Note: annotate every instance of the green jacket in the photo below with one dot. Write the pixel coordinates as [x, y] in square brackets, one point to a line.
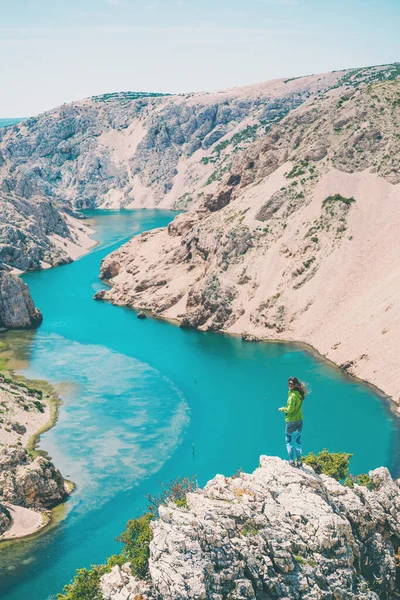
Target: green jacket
[293, 409]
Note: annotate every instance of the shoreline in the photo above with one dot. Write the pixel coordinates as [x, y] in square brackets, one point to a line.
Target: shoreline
[27, 522]
[305, 346]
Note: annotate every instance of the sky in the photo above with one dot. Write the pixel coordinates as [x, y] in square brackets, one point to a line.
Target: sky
[56, 51]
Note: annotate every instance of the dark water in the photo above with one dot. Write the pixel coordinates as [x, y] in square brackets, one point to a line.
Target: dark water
[145, 401]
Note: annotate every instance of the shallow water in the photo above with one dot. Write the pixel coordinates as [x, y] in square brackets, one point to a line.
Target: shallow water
[145, 401]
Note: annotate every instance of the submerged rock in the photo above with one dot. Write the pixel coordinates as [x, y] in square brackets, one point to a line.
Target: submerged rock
[280, 532]
[17, 310]
[141, 315]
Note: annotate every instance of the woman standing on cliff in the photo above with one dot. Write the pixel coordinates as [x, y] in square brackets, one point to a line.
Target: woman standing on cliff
[294, 420]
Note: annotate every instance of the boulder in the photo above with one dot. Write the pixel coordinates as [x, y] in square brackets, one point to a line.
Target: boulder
[17, 310]
[32, 483]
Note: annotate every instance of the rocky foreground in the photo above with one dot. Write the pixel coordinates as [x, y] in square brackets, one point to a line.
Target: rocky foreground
[280, 532]
[299, 242]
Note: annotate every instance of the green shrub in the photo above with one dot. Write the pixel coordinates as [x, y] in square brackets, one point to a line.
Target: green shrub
[362, 479]
[251, 528]
[332, 464]
[297, 170]
[182, 503]
[338, 198]
[39, 405]
[85, 586]
[173, 492]
[137, 537]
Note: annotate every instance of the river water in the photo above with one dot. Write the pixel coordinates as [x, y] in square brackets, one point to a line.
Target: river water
[145, 401]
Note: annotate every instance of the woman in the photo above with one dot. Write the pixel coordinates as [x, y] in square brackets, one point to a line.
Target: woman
[294, 420]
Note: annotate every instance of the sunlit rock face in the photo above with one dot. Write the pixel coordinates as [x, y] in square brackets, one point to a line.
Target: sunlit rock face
[17, 310]
[27, 482]
[279, 532]
[143, 150]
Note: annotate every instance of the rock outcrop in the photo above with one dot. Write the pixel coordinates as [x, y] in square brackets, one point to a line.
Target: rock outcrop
[37, 228]
[298, 242]
[280, 532]
[17, 310]
[5, 519]
[32, 483]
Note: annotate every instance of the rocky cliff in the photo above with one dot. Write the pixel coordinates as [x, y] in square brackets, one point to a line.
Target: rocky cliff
[280, 532]
[32, 483]
[136, 150]
[298, 242]
[5, 519]
[17, 309]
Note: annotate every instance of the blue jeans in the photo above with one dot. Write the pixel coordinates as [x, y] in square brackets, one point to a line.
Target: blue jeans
[293, 440]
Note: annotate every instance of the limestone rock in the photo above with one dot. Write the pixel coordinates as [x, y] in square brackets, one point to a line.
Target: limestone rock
[17, 309]
[29, 483]
[280, 532]
[120, 585]
[5, 519]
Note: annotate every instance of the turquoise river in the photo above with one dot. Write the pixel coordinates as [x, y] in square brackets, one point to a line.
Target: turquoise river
[145, 401]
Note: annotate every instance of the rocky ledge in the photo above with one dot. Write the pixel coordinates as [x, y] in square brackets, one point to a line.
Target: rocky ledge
[28, 482]
[17, 310]
[28, 489]
[280, 532]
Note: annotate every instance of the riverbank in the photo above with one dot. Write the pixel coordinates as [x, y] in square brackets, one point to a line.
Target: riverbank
[350, 368]
[25, 522]
[28, 408]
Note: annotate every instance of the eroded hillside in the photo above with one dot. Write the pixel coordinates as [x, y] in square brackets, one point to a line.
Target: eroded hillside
[134, 150]
[299, 241]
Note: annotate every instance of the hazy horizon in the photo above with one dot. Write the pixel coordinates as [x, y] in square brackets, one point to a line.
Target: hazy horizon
[58, 53]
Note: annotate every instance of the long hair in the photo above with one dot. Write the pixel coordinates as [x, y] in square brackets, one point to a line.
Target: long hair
[299, 386]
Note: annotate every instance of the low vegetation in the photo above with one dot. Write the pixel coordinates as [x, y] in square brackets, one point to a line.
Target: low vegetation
[337, 466]
[338, 198]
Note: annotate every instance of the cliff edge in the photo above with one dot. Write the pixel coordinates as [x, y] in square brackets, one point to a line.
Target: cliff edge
[279, 532]
[17, 310]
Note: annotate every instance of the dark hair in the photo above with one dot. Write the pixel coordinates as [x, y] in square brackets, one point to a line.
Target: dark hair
[299, 386]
